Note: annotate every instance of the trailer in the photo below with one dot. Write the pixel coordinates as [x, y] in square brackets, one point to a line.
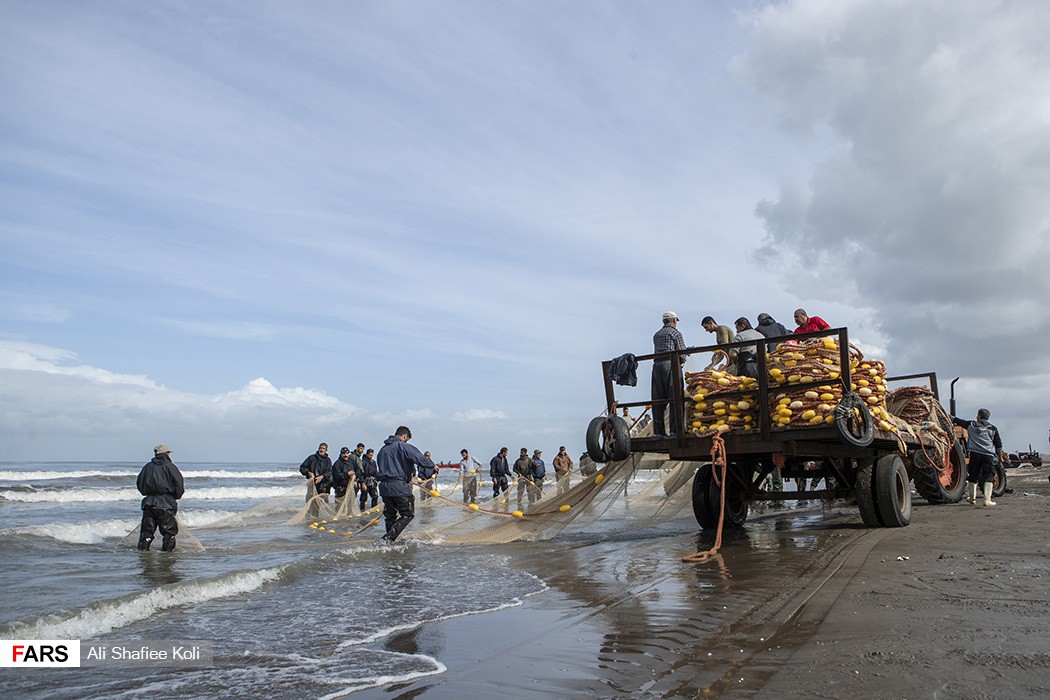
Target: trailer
[854, 458]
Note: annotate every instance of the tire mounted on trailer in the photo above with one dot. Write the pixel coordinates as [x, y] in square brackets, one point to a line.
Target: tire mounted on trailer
[864, 487]
[705, 515]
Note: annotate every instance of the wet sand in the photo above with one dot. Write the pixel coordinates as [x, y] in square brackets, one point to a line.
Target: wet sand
[802, 604]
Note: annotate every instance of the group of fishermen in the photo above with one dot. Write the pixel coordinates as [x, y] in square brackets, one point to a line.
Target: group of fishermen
[355, 470]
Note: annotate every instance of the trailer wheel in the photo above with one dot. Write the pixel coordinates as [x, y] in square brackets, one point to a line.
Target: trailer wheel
[853, 421]
[706, 516]
[999, 485]
[736, 503]
[865, 490]
[1037, 462]
[936, 486]
[892, 491]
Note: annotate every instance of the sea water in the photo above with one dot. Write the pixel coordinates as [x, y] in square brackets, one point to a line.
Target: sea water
[291, 612]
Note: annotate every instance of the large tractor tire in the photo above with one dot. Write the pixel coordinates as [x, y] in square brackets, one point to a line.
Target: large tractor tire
[999, 485]
[705, 515]
[892, 491]
[864, 487]
[936, 486]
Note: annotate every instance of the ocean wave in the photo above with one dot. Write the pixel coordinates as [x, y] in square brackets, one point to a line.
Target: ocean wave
[97, 531]
[103, 618]
[379, 681]
[218, 493]
[40, 475]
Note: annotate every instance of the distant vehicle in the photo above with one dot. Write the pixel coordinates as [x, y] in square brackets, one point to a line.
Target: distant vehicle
[1019, 459]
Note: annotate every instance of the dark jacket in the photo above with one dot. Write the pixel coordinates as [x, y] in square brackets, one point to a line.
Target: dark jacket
[523, 466]
[498, 467]
[341, 471]
[539, 469]
[369, 471]
[623, 370]
[161, 483]
[397, 464]
[771, 329]
[424, 472]
[318, 466]
[355, 463]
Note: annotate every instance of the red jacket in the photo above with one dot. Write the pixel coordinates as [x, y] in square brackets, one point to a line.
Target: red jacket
[815, 323]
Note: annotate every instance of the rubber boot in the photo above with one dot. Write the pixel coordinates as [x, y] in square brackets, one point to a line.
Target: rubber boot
[971, 493]
[988, 494]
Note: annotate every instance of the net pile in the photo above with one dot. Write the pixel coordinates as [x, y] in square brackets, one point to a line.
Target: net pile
[804, 386]
[916, 412]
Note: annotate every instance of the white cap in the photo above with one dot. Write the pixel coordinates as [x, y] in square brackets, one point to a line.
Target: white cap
[670, 316]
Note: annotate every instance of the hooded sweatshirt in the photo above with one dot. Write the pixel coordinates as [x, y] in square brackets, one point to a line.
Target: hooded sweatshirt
[771, 329]
[498, 467]
[160, 481]
[981, 436]
[397, 464]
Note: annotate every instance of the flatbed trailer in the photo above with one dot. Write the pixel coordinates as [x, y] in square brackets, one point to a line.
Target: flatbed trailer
[853, 457]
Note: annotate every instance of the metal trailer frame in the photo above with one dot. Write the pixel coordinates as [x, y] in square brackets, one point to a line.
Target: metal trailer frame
[806, 452]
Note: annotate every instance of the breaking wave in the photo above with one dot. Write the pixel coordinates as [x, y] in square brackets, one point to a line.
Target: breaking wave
[39, 475]
[218, 493]
[97, 531]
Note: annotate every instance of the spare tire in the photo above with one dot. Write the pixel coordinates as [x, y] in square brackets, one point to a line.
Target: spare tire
[853, 421]
[608, 439]
[892, 491]
[595, 443]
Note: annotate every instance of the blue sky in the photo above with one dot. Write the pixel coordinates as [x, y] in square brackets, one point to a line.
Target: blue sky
[244, 228]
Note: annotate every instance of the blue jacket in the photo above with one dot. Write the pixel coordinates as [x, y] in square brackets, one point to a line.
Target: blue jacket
[498, 466]
[397, 464]
[539, 470]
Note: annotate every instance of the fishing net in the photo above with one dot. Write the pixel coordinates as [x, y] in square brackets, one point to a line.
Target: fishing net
[184, 541]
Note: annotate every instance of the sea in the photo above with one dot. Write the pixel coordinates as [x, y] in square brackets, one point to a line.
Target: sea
[292, 612]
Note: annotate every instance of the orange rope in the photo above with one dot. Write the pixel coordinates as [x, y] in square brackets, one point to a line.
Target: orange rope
[718, 461]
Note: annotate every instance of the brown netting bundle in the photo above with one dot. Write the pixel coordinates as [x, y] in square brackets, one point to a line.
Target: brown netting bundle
[916, 412]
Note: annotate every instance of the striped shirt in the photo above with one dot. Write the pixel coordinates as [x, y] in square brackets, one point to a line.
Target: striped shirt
[667, 339]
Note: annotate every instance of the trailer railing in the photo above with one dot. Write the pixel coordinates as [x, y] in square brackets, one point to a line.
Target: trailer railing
[679, 400]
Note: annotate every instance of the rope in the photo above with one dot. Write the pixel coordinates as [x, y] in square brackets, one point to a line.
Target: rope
[718, 462]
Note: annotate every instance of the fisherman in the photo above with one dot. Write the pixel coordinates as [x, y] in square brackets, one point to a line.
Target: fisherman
[807, 323]
[537, 474]
[368, 482]
[317, 468]
[398, 461]
[769, 327]
[343, 474]
[523, 468]
[562, 466]
[355, 460]
[746, 357]
[665, 340]
[427, 476]
[984, 443]
[723, 336]
[587, 465]
[160, 483]
[499, 472]
[468, 474]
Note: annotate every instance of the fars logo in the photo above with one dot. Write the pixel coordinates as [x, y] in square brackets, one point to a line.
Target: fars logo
[39, 653]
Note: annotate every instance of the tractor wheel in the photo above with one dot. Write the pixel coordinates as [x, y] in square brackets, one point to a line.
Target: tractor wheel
[892, 491]
[999, 485]
[865, 490]
[937, 486]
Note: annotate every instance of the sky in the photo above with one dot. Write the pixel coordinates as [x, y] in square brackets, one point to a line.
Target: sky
[244, 228]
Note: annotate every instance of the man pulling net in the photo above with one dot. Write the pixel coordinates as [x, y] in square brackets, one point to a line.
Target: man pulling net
[398, 462]
[161, 485]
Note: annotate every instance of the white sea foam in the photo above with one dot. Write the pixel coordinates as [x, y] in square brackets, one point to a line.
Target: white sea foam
[96, 531]
[103, 618]
[38, 475]
[218, 493]
[379, 681]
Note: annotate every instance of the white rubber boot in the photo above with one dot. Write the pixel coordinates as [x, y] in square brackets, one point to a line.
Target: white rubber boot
[971, 496]
[988, 494]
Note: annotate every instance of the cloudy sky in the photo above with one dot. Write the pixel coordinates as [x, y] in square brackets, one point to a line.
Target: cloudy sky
[242, 228]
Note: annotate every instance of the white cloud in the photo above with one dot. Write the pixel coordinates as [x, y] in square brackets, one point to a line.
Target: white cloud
[477, 414]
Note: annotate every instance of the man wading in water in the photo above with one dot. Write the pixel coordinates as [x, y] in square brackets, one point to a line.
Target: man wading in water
[397, 463]
[160, 482]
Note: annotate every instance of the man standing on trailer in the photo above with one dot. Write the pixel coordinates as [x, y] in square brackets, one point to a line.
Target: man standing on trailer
[398, 462]
[807, 323]
[723, 336]
[665, 340]
[770, 328]
[746, 357]
[982, 439]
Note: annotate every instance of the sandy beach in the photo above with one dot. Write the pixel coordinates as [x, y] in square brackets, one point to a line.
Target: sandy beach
[803, 603]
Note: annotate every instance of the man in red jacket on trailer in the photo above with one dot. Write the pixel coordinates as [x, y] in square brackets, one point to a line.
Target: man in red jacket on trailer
[807, 323]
